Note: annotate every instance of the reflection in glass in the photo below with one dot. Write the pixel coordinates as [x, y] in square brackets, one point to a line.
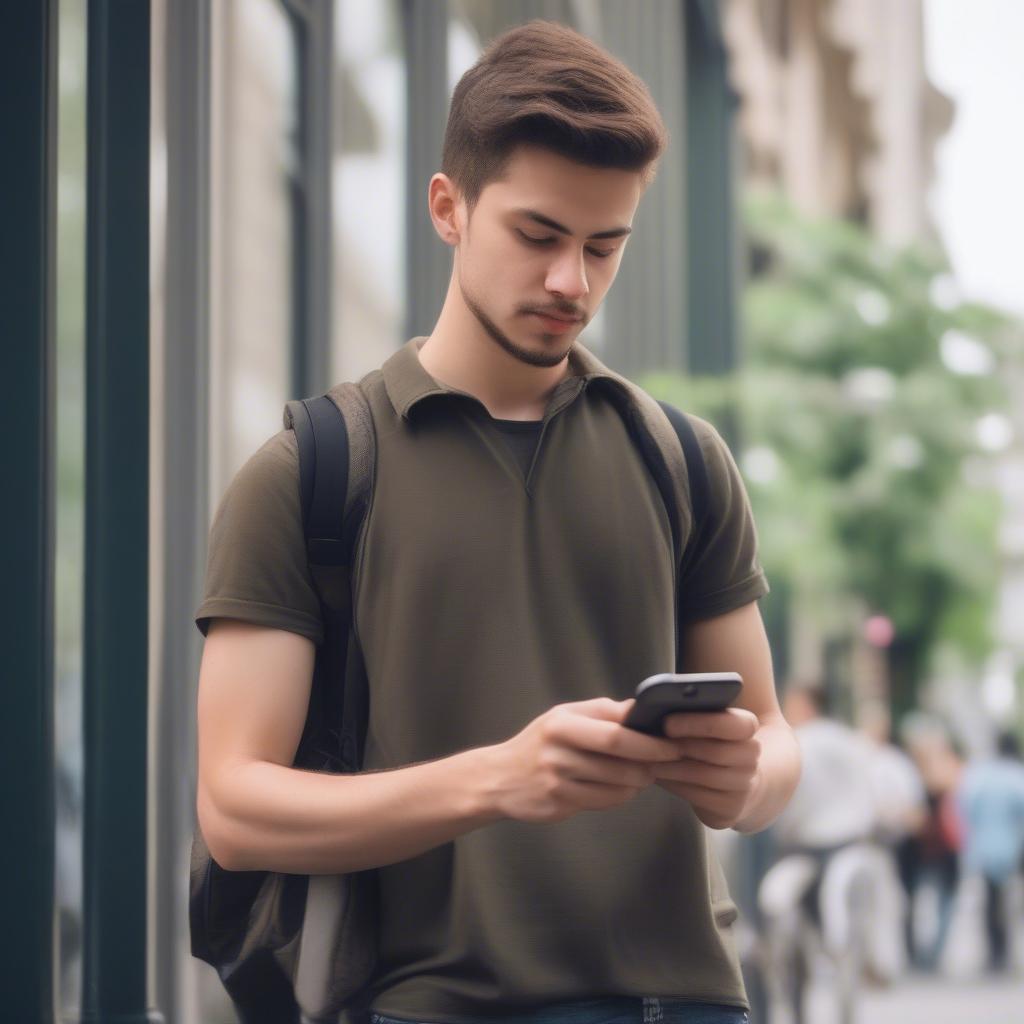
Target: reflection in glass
[70, 488]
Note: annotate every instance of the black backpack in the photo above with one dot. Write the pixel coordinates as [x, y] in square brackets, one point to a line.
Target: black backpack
[281, 941]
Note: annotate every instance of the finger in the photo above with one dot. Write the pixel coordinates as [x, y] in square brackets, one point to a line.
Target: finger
[610, 738]
[584, 766]
[724, 753]
[604, 708]
[713, 809]
[720, 780]
[730, 724]
[704, 799]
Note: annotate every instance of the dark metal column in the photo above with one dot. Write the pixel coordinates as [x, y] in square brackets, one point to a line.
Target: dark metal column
[646, 306]
[314, 290]
[311, 192]
[28, 120]
[428, 259]
[116, 513]
[181, 110]
[711, 201]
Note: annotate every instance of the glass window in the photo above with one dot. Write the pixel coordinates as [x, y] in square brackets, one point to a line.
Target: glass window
[463, 48]
[256, 163]
[369, 187]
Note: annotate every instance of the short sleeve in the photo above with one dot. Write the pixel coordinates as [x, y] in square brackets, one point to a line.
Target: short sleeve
[723, 573]
[256, 568]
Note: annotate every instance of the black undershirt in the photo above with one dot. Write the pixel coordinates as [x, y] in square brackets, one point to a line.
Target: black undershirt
[522, 437]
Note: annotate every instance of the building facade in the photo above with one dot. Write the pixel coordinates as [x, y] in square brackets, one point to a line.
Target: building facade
[221, 206]
[837, 111]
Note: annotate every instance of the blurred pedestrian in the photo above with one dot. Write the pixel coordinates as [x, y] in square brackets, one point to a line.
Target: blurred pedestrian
[896, 783]
[930, 858]
[834, 802]
[991, 801]
[899, 798]
[834, 890]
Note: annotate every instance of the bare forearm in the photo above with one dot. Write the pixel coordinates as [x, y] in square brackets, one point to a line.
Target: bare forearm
[265, 816]
[260, 815]
[777, 777]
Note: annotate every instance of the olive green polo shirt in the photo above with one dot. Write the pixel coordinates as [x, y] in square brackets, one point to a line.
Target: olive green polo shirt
[488, 588]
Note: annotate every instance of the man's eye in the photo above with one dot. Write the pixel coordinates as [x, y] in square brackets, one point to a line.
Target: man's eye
[599, 253]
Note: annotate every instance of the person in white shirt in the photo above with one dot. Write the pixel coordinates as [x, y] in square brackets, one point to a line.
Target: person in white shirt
[834, 874]
[896, 783]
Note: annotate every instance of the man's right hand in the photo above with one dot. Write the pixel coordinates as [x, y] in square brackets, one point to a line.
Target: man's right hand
[574, 757]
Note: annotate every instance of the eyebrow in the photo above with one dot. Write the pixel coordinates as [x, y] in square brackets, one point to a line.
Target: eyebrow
[562, 229]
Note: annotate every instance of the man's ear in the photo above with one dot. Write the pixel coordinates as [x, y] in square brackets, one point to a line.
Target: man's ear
[447, 209]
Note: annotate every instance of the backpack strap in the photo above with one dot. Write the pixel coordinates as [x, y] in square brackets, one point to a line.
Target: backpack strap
[337, 454]
[696, 469]
[670, 446]
[334, 501]
[699, 495]
[322, 438]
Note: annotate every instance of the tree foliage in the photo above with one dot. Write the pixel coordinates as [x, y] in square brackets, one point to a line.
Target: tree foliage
[858, 403]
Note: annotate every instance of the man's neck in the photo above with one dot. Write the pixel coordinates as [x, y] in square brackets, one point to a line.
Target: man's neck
[472, 362]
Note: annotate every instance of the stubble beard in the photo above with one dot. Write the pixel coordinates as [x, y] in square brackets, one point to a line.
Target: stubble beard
[546, 360]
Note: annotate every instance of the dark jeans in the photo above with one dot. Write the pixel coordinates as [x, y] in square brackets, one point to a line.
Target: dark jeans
[611, 1010]
[944, 873]
[996, 924]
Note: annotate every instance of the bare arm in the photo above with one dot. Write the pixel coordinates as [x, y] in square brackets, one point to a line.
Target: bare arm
[739, 768]
[258, 812]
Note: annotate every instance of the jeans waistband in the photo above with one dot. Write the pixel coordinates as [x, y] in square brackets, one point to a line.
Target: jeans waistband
[608, 1010]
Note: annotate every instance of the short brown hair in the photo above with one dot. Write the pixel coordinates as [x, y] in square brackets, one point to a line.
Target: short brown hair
[545, 84]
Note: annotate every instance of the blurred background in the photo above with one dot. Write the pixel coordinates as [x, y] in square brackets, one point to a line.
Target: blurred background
[223, 206]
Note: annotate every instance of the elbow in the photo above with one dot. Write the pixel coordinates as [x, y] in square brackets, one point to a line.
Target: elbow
[220, 837]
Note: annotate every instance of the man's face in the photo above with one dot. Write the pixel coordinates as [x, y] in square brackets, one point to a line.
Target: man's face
[546, 239]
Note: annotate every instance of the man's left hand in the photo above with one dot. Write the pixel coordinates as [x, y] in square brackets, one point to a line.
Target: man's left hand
[719, 767]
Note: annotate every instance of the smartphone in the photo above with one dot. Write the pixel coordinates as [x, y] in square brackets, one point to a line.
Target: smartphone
[669, 692]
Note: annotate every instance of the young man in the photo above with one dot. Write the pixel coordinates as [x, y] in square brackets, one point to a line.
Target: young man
[514, 581]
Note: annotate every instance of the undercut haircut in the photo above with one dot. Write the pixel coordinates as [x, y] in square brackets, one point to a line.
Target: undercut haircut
[545, 84]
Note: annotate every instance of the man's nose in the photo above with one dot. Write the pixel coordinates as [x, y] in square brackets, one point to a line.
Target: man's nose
[568, 276]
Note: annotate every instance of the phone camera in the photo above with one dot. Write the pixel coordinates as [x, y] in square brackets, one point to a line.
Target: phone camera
[690, 690]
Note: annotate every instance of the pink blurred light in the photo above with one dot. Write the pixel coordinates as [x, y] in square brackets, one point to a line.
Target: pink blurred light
[879, 631]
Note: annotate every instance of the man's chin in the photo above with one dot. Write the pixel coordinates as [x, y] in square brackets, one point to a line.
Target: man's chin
[528, 345]
[546, 354]
[532, 347]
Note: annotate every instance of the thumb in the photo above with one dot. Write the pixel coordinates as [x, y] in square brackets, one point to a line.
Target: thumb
[604, 708]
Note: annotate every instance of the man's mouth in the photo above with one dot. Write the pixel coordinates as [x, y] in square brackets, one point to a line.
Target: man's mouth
[559, 316]
[556, 324]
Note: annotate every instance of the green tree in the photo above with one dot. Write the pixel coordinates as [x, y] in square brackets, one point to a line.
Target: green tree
[859, 400]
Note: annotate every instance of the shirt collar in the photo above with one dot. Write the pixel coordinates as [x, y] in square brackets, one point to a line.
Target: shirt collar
[407, 383]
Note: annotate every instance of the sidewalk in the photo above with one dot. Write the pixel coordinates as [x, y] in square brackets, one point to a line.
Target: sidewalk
[958, 994]
[930, 999]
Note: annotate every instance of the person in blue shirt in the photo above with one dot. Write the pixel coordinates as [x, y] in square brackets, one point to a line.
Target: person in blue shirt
[991, 801]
